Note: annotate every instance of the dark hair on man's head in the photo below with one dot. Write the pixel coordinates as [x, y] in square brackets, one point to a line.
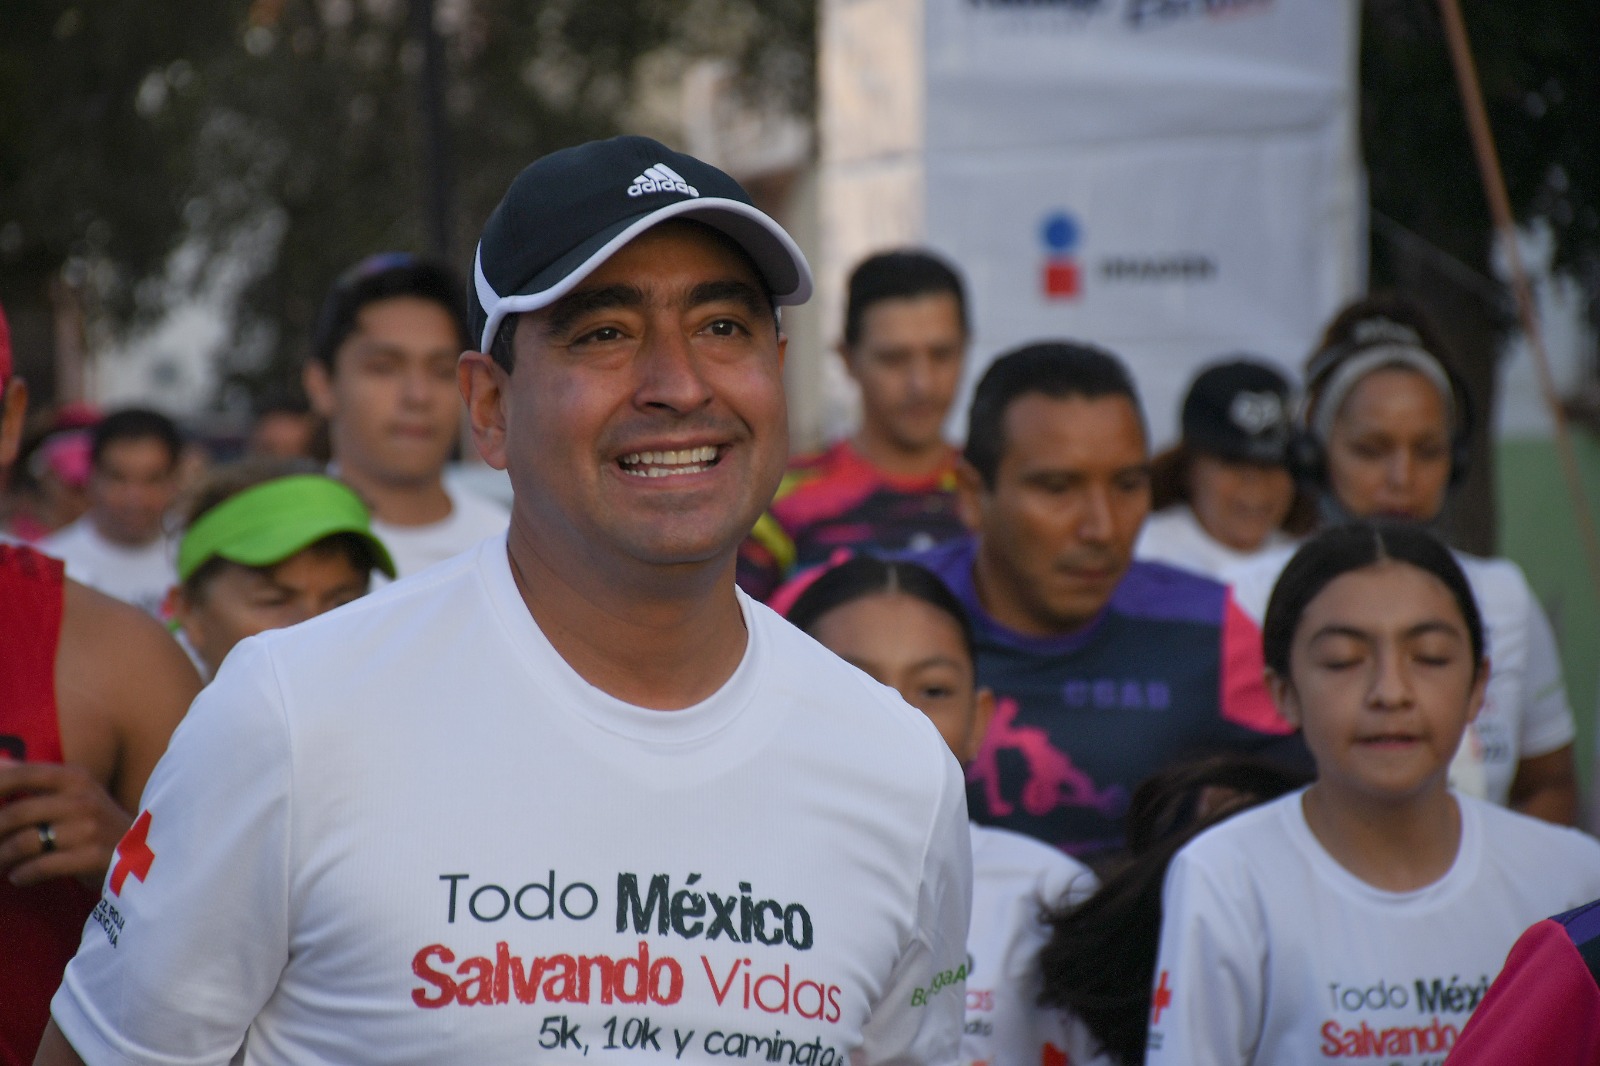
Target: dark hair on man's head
[864, 576]
[899, 275]
[1100, 962]
[1057, 369]
[135, 423]
[383, 277]
[1356, 546]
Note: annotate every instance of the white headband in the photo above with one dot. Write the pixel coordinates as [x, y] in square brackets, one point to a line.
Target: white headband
[1407, 356]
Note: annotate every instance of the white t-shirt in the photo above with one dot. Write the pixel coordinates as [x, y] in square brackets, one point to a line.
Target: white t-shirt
[1015, 881]
[408, 832]
[1273, 953]
[1525, 711]
[414, 548]
[141, 576]
[1175, 536]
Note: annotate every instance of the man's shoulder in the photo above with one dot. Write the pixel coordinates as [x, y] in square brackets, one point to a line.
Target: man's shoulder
[872, 715]
[1159, 592]
[1000, 855]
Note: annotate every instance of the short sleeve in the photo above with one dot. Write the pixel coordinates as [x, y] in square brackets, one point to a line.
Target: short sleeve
[1206, 1007]
[190, 935]
[1546, 715]
[917, 1021]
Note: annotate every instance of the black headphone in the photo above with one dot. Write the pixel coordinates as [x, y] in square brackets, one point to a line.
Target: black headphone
[1308, 455]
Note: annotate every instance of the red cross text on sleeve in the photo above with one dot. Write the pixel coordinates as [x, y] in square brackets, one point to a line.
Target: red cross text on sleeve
[1161, 1000]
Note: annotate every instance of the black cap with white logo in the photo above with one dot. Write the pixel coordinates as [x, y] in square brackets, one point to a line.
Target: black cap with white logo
[567, 213]
[1239, 410]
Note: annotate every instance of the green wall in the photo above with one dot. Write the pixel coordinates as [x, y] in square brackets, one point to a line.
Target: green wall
[1538, 529]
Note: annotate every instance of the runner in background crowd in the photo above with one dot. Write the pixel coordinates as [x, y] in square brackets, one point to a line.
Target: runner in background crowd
[1387, 426]
[382, 373]
[1104, 669]
[49, 485]
[266, 545]
[90, 690]
[283, 428]
[1224, 493]
[1364, 916]
[891, 486]
[897, 622]
[121, 545]
[1100, 964]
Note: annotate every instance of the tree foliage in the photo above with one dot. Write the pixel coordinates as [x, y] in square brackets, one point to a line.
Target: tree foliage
[149, 146]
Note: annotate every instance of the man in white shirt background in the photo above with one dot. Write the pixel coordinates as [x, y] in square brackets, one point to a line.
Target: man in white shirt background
[121, 546]
[382, 372]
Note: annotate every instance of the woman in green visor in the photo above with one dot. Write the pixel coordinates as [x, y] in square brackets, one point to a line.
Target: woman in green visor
[265, 547]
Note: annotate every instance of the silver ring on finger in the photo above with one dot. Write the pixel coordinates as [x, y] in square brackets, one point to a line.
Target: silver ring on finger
[47, 838]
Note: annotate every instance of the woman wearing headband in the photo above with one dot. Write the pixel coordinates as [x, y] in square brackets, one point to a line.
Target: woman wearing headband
[1386, 426]
[266, 548]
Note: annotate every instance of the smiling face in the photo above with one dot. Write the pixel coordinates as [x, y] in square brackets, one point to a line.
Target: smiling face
[1239, 504]
[1389, 447]
[1058, 525]
[1382, 681]
[644, 419]
[391, 399]
[908, 364]
[918, 650]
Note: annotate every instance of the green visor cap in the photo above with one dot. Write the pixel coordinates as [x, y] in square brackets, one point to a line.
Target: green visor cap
[267, 523]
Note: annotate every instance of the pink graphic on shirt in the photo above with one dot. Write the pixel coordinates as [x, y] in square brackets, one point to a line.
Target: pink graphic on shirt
[1052, 779]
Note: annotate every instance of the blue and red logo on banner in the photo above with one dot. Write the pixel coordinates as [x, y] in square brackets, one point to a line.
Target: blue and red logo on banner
[1062, 277]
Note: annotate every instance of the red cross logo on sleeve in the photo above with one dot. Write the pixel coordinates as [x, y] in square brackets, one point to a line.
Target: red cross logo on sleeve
[133, 854]
[1161, 1000]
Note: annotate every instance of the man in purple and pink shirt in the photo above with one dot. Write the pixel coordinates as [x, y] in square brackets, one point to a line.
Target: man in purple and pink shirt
[1105, 669]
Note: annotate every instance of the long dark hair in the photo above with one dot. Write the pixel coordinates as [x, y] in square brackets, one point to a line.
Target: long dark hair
[1101, 959]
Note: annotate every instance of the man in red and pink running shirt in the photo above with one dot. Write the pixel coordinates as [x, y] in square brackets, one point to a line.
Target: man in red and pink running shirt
[891, 486]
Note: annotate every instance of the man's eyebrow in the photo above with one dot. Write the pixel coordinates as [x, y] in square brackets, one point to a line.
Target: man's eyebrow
[567, 310]
[753, 300]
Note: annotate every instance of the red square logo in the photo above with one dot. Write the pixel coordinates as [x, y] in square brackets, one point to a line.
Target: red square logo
[1061, 279]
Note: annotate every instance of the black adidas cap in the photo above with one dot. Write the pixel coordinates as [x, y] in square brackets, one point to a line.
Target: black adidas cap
[567, 213]
[1239, 410]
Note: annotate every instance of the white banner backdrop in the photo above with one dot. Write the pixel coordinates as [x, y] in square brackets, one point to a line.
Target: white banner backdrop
[1172, 179]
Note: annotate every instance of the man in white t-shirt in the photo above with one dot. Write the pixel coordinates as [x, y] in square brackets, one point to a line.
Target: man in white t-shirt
[569, 796]
[383, 373]
[120, 546]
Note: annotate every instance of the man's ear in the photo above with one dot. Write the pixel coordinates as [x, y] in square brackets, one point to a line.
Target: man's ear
[317, 380]
[970, 495]
[13, 412]
[485, 386]
[1283, 694]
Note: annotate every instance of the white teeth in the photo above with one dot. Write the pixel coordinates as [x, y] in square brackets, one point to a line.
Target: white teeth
[669, 463]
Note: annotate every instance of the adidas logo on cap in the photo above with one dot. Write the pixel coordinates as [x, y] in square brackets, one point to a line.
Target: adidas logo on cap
[661, 178]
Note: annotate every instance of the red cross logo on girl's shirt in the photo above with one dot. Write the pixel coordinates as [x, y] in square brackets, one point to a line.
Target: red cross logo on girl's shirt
[133, 854]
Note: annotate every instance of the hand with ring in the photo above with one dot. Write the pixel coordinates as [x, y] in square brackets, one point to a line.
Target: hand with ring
[56, 821]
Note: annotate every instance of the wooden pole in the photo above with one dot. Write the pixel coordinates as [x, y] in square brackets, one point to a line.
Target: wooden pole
[1505, 225]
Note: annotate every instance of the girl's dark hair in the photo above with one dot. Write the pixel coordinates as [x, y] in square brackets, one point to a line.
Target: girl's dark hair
[1101, 959]
[1356, 546]
[865, 576]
